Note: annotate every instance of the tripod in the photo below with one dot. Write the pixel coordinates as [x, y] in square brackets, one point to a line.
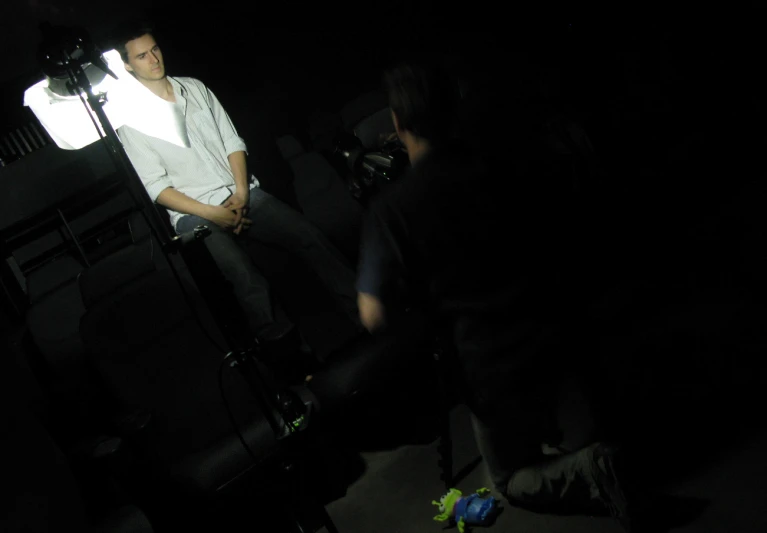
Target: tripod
[287, 414]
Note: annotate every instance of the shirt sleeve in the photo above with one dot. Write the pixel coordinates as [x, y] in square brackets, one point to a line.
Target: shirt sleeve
[146, 161]
[232, 141]
[382, 264]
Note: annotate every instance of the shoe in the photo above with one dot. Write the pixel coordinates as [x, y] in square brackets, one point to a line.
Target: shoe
[607, 469]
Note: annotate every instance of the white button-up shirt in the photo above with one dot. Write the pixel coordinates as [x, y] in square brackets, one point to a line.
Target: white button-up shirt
[201, 170]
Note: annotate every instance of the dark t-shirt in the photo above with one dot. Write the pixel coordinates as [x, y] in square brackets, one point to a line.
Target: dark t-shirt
[481, 249]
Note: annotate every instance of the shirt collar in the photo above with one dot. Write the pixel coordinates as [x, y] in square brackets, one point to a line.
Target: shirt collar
[177, 87]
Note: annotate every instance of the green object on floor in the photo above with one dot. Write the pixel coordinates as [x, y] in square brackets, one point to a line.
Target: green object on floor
[475, 509]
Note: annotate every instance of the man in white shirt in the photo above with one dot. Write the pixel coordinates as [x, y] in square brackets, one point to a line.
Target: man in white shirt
[192, 162]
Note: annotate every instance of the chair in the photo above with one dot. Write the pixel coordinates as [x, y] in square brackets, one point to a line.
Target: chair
[55, 306]
[155, 357]
[367, 105]
[371, 365]
[323, 196]
[47, 495]
[50, 492]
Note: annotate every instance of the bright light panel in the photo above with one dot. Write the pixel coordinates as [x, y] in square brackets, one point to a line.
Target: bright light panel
[65, 117]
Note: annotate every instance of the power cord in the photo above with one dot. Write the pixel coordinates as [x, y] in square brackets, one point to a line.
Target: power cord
[236, 427]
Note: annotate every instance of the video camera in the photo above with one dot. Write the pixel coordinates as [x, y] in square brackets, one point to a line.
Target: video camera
[372, 167]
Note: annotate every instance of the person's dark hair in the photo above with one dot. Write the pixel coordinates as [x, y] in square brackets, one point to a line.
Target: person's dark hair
[423, 96]
[129, 31]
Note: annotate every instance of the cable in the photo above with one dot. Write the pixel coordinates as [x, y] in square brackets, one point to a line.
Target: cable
[301, 488]
[229, 408]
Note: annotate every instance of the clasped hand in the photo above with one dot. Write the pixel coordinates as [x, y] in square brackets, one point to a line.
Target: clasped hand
[231, 214]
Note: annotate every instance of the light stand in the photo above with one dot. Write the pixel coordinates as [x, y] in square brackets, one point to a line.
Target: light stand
[287, 414]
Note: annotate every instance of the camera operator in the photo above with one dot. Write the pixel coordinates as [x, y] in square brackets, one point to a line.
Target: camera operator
[480, 247]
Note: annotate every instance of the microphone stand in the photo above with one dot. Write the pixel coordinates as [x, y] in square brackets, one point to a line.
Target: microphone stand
[287, 414]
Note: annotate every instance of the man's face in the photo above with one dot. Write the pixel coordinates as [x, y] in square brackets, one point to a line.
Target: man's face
[145, 59]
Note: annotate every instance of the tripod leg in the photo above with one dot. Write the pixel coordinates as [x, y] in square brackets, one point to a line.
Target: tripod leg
[445, 451]
[325, 524]
[330, 527]
[445, 445]
[310, 516]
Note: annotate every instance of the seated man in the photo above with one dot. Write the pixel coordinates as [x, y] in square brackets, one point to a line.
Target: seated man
[483, 255]
[192, 162]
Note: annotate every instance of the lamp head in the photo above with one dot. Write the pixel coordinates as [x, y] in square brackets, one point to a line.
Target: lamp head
[63, 49]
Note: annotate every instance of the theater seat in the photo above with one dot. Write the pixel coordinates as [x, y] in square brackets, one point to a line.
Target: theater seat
[368, 117]
[388, 363]
[323, 196]
[47, 495]
[53, 326]
[49, 492]
[362, 107]
[153, 355]
[371, 129]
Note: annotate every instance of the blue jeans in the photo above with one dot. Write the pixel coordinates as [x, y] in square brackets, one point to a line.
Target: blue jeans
[275, 223]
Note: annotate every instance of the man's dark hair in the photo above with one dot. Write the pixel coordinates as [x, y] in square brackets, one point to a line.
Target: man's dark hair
[127, 32]
[423, 96]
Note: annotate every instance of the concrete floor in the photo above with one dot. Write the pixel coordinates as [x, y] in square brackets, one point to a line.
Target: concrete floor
[394, 494]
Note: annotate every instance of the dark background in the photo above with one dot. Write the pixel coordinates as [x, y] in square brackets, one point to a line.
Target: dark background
[672, 101]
